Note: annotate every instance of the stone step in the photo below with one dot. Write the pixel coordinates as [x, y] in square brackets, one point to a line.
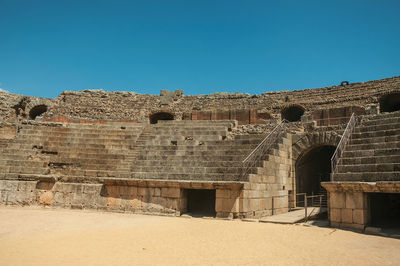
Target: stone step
[197, 147]
[357, 168]
[188, 128]
[172, 169]
[370, 160]
[383, 127]
[197, 177]
[378, 133]
[370, 146]
[151, 152]
[83, 130]
[235, 158]
[382, 121]
[188, 163]
[392, 138]
[371, 153]
[87, 154]
[367, 176]
[100, 135]
[122, 126]
[381, 116]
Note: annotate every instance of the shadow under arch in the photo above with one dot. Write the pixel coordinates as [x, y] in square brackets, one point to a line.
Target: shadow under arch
[389, 102]
[313, 167]
[292, 113]
[37, 110]
[154, 118]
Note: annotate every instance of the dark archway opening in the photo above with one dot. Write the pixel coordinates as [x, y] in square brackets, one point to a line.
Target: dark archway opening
[37, 111]
[160, 116]
[312, 168]
[390, 102]
[292, 113]
[385, 210]
[201, 202]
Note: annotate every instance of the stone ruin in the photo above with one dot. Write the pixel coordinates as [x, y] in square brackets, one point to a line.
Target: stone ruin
[225, 154]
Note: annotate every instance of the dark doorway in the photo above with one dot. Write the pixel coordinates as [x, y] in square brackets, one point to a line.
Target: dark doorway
[37, 111]
[385, 210]
[160, 116]
[292, 113]
[201, 202]
[312, 168]
[390, 102]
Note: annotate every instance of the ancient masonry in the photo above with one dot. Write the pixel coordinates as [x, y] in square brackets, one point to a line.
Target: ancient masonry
[224, 155]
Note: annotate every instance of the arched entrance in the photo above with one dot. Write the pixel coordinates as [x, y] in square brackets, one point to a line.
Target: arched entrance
[390, 102]
[160, 116]
[37, 111]
[312, 168]
[292, 113]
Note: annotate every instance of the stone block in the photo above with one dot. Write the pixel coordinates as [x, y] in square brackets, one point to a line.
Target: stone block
[335, 215]
[157, 192]
[223, 193]
[171, 192]
[347, 215]
[226, 205]
[337, 200]
[360, 217]
[355, 200]
[172, 203]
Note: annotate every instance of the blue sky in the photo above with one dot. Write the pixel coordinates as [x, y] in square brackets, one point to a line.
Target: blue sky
[198, 46]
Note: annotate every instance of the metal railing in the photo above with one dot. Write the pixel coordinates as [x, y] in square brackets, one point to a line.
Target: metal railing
[307, 204]
[256, 155]
[353, 122]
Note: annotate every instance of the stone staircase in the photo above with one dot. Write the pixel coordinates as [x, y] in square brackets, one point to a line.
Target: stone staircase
[373, 153]
[70, 151]
[168, 150]
[192, 150]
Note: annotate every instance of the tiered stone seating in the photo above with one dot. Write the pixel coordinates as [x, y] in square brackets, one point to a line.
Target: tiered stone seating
[373, 154]
[192, 150]
[70, 151]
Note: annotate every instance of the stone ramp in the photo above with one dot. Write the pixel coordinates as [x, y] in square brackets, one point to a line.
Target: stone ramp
[293, 216]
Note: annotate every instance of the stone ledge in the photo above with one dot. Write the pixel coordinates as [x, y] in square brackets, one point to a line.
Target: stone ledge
[173, 183]
[383, 186]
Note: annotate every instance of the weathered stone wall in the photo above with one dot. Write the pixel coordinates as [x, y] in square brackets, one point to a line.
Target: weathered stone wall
[101, 105]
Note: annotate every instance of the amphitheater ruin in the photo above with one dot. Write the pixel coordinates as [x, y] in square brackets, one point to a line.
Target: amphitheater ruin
[226, 155]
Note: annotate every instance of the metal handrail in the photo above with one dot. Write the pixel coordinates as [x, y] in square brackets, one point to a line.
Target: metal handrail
[251, 160]
[353, 122]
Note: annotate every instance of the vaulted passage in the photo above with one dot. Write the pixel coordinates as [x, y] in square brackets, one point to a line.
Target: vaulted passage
[37, 111]
[160, 116]
[292, 113]
[385, 210]
[390, 102]
[312, 168]
[201, 202]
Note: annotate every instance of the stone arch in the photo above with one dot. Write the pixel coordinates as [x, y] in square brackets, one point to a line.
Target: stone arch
[37, 111]
[310, 140]
[292, 113]
[311, 156]
[390, 102]
[160, 116]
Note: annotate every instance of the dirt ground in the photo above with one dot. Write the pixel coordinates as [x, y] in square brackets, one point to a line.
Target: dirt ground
[36, 236]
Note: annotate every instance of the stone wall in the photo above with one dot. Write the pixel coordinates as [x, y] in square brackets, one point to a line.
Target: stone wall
[101, 105]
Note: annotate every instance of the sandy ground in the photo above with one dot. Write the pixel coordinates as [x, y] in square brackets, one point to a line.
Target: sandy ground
[30, 236]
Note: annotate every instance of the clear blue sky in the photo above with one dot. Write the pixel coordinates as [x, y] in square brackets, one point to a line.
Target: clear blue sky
[198, 46]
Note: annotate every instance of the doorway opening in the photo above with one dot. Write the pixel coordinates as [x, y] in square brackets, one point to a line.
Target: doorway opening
[312, 168]
[160, 116]
[292, 113]
[201, 202]
[385, 210]
[390, 102]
